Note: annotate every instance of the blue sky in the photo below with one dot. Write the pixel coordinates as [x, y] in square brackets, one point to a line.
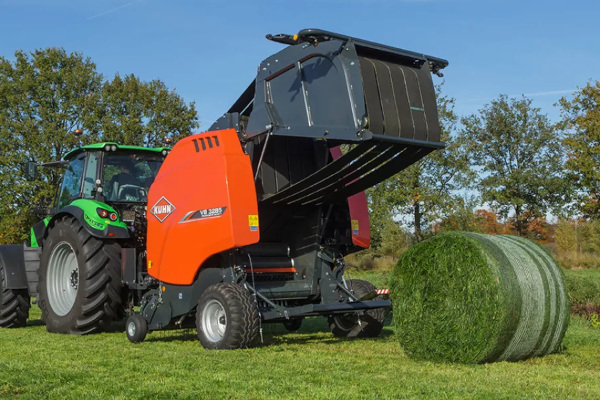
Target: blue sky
[209, 50]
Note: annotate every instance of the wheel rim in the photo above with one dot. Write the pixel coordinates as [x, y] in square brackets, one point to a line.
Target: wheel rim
[346, 322]
[214, 321]
[62, 278]
[131, 329]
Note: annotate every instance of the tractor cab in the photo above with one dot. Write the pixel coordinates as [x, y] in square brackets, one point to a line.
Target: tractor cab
[105, 187]
[109, 173]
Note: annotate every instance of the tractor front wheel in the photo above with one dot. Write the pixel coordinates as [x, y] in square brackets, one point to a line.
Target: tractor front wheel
[227, 317]
[79, 280]
[14, 305]
[360, 324]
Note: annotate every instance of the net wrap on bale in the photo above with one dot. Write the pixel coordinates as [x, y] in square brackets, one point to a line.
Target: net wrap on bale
[471, 298]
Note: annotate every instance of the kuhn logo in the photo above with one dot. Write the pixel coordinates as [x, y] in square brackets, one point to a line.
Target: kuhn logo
[162, 209]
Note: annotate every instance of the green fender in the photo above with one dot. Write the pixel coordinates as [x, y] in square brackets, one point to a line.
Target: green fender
[85, 211]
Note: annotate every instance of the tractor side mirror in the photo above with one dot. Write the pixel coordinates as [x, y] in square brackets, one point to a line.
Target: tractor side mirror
[30, 169]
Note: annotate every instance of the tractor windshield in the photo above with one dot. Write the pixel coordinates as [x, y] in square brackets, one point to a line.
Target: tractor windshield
[128, 176]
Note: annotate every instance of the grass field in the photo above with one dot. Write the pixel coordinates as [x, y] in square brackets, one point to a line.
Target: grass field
[306, 365]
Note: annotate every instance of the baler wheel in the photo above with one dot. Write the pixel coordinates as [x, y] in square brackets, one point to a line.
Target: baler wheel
[136, 328]
[293, 325]
[14, 305]
[79, 280]
[371, 321]
[227, 317]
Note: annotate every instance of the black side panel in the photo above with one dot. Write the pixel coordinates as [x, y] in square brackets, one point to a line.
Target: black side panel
[11, 257]
[32, 256]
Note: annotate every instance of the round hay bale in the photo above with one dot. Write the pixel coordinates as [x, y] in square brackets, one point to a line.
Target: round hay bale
[471, 298]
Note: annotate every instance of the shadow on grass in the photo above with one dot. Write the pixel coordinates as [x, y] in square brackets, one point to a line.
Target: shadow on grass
[313, 330]
[34, 322]
[172, 335]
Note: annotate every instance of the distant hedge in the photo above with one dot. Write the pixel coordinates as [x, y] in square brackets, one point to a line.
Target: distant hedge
[465, 297]
[584, 290]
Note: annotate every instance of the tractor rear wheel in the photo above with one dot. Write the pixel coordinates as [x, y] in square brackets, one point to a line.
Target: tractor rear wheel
[14, 305]
[360, 324]
[227, 317]
[79, 280]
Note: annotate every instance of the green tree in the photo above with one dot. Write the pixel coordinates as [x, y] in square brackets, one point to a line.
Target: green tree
[581, 124]
[143, 113]
[44, 96]
[430, 188]
[517, 154]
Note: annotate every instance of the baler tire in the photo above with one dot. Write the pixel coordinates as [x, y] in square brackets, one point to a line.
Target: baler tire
[136, 328]
[14, 305]
[293, 325]
[372, 321]
[94, 301]
[227, 317]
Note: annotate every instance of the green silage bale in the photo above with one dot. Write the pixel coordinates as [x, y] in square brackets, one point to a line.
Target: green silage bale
[472, 298]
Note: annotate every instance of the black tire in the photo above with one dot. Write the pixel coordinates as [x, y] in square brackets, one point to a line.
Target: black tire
[14, 305]
[293, 325]
[227, 317]
[371, 321]
[96, 301]
[136, 328]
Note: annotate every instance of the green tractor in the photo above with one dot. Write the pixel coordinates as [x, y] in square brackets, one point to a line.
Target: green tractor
[73, 265]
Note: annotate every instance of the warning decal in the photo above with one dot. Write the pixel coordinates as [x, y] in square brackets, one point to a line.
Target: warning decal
[253, 222]
[355, 226]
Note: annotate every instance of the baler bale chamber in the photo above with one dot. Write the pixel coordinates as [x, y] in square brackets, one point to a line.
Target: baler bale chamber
[271, 198]
[322, 92]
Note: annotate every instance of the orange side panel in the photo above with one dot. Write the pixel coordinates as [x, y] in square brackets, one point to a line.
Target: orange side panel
[202, 202]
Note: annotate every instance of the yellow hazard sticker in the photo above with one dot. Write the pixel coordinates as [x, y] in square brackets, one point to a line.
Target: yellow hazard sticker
[253, 222]
[354, 226]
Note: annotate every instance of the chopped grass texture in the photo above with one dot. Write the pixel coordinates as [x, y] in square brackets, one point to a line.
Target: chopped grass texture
[471, 298]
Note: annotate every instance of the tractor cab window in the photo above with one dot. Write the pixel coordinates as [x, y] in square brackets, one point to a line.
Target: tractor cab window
[71, 183]
[89, 181]
[127, 177]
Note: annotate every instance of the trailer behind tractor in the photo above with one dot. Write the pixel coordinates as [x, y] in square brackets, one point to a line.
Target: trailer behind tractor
[245, 224]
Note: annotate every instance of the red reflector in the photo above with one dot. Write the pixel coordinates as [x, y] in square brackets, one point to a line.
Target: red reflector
[113, 216]
[112, 234]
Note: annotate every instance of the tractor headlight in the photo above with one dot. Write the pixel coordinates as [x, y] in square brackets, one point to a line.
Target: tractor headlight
[107, 147]
[113, 147]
